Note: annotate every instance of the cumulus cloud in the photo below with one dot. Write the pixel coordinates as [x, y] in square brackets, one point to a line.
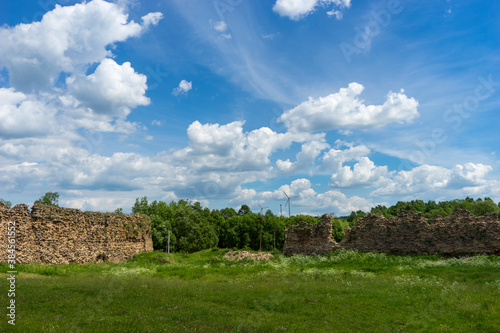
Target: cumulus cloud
[429, 178]
[307, 197]
[305, 158]
[99, 203]
[228, 147]
[298, 9]
[345, 110]
[363, 174]
[469, 174]
[333, 159]
[243, 195]
[299, 187]
[110, 88]
[24, 116]
[65, 40]
[342, 204]
[183, 88]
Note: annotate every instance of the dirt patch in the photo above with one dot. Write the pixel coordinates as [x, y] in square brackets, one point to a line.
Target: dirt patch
[239, 255]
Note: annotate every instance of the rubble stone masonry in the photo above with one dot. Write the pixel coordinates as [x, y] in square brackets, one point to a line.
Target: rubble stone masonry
[54, 235]
[306, 238]
[411, 233]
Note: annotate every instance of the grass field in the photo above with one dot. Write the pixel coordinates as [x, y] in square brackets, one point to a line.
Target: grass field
[203, 292]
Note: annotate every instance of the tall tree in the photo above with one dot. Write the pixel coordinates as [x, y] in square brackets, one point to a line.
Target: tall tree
[244, 210]
[49, 199]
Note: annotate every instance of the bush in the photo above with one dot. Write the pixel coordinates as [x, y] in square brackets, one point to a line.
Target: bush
[338, 226]
[275, 252]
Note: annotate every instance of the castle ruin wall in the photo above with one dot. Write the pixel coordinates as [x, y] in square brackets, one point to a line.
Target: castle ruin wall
[411, 233]
[55, 235]
[306, 238]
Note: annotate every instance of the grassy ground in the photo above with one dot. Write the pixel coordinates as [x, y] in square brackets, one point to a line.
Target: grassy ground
[202, 292]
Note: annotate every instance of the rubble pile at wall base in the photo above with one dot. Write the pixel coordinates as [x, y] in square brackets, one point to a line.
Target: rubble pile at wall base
[411, 233]
[54, 235]
[306, 238]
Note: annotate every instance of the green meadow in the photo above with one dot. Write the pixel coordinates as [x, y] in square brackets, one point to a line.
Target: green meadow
[345, 291]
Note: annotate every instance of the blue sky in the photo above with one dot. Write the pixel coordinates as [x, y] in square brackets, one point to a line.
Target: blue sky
[344, 104]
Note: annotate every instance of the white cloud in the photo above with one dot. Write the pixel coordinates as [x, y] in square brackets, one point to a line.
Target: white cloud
[183, 88]
[336, 13]
[228, 147]
[428, 179]
[297, 9]
[334, 158]
[24, 116]
[220, 26]
[469, 174]
[65, 40]
[243, 195]
[308, 198]
[339, 203]
[309, 152]
[157, 122]
[300, 188]
[99, 203]
[345, 110]
[151, 19]
[363, 174]
[111, 88]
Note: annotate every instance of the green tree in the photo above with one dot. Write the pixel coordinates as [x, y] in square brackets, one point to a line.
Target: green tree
[379, 209]
[244, 210]
[5, 202]
[338, 226]
[486, 206]
[141, 206]
[352, 217]
[228, 212]
[159, 234]
[49, 199]
[199, 237]
[119, 211]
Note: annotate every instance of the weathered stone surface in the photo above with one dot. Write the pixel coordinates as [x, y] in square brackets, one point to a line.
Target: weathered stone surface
[50, 234]
[306, 238]
[412, 233]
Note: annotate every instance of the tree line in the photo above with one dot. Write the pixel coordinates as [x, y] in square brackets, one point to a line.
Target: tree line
[431, 209]
[193, 227]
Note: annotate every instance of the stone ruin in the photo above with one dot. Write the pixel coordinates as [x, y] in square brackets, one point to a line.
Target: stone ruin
[306, 238]
[411, 233]
[55, 235]
[408, 233]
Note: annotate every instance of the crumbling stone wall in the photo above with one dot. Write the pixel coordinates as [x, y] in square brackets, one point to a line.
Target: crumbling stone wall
[50, 234]
[412, 233]
[306, 238]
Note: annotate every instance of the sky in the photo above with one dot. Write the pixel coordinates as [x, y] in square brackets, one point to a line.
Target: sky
[341, 104]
